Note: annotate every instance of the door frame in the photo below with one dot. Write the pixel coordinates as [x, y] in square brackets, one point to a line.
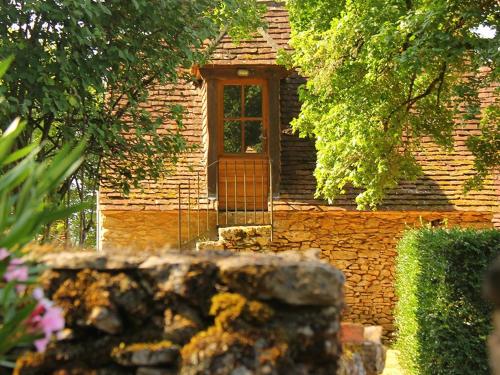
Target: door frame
[245, 158]
[210, 74]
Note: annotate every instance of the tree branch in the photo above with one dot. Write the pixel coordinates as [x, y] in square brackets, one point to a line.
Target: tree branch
[410, 101]
[119, 113]
[432, 85]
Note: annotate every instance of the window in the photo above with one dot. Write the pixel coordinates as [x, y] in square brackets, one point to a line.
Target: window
[243, 125]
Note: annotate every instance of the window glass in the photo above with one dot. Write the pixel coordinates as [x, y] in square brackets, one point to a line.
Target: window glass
[253, 137]
[232, 137]
[253, 101]
[232, 101]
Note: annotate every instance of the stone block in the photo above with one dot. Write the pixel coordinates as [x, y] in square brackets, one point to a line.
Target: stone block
[305, 282]
[373, 333]
[105, 320]
[351, 333]
[209, 245]
[146, 354]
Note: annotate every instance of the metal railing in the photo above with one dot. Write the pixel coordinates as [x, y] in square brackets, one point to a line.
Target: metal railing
[243, 196]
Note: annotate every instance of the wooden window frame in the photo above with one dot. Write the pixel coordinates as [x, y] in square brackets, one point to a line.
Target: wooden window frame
[221, 119]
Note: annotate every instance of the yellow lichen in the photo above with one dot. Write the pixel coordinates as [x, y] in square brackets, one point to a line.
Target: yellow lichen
[29, 360]
[138, 346]
[229, 308]
[202, 343]
[274, 353]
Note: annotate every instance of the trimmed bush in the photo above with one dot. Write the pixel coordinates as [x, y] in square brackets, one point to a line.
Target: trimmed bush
[442, 319]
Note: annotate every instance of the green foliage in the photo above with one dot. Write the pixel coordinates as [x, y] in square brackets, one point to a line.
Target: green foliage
[441, 316]
[84, 69]
[485, 146]
[25, 185]
[382, 74]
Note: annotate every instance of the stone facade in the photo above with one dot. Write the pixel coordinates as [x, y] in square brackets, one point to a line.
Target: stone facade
[152, 230]
[363, 246]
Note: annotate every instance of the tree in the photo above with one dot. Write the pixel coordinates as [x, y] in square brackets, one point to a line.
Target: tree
[84, 69]
[384, 73]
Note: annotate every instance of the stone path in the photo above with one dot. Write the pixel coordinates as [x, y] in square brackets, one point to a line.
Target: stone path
[391, 363]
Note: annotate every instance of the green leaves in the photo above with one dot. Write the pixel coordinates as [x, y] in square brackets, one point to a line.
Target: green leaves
[4, 65]
[441, 316]
[485, 147]
[25, 185]
[83, 69]
[382, 74]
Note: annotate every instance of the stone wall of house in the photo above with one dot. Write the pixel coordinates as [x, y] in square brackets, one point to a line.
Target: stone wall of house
[361, 244]
[153, 230]
[205, 313]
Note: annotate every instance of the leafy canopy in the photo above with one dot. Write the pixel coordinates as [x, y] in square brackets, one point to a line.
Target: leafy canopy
[384, 73]
[84, 68]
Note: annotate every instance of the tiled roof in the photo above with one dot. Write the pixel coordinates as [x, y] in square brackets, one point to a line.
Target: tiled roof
[262, 47]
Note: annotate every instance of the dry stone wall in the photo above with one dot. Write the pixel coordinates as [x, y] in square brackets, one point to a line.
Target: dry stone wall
[363, 246]
[177, 313]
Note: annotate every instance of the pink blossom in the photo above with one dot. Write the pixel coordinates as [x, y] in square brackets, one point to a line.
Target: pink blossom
[46, 319]
[52, 320]
[4, 253]
[33, 321]
[16, 271]
[41, 344]
[16, 261]
[38, 294]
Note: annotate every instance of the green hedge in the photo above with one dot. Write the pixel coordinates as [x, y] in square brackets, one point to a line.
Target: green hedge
[442, 319]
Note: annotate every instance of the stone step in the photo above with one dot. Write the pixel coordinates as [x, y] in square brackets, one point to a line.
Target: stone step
[240, 238]
[246, 237]
[209, 245]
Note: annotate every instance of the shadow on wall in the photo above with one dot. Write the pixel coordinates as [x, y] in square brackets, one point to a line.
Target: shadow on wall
[298, 161]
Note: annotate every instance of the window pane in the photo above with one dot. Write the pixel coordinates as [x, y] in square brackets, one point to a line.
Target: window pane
[253, 101]
[253, 137]
[232, 101]
[232, 137]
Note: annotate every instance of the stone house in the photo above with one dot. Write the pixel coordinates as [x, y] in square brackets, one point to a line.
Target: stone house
[251, 169]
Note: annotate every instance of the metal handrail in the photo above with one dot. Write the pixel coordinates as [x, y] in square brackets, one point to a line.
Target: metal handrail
[199, 198]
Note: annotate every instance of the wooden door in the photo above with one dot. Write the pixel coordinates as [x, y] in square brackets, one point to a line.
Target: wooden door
[243, 173]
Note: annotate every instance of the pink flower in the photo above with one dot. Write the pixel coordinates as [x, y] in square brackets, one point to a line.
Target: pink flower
[41, 344]
[52, 320]
[46, 319]
[16, 271]
[4, 253]
[33, 321]
[38, 294]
